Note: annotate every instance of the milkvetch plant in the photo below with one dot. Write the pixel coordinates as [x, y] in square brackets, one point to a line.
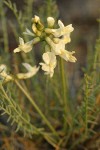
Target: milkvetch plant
[40, 105]
[55, 41]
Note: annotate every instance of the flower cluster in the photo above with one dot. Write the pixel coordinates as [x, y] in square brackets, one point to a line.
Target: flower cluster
[55, 40]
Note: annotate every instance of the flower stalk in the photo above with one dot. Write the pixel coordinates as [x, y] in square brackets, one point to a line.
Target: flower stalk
[64, 92]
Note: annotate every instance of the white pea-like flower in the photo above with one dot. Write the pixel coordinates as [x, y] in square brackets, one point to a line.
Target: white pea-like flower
[25, 47]
[59, 49]
[31, 71]
[49, 64]
[62, 30]
[65, 31]
[3, 73]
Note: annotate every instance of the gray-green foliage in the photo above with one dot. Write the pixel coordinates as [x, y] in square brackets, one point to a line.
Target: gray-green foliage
[16, 116]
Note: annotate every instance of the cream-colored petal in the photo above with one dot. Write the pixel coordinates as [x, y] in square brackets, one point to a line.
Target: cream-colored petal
[27, 66]
[26, 47]
[16, 50]
[71, 58]
[21, 41]
[66, 38]
[28, 32]
[50, 73]
[46, 58]
[68, 28]
[31, 72]
[45, 67]
[60, 23]
[24, 75]
[34, 28]
[36, 18]
[53, 60]
[62, 30]
[57, 32]
[66, 55]
[49, 58]
[49, 63]
[3, 68]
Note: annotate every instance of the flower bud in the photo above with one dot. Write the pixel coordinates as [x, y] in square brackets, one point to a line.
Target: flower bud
[36, 19]
[50, 21]
[35, 30]
[37, 23]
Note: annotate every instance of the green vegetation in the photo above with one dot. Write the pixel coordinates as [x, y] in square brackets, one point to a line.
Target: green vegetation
[40, 110]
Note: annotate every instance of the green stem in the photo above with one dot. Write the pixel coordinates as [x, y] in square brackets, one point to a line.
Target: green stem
[86, 117]
[86, 104]
[64, 89]
[37, 108]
